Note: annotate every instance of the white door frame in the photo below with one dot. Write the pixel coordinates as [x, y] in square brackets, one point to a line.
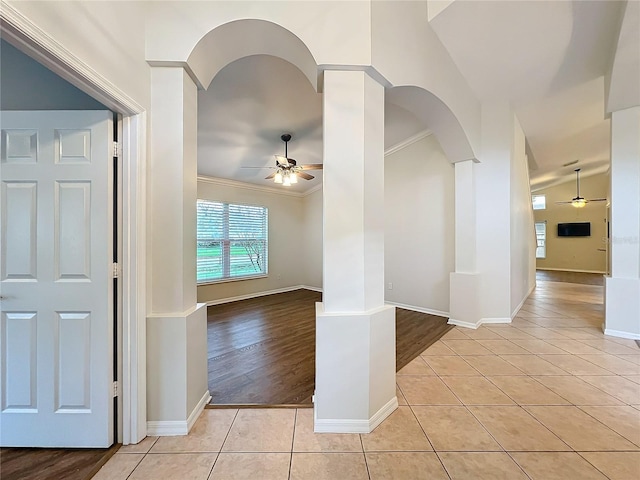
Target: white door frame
[35, 42]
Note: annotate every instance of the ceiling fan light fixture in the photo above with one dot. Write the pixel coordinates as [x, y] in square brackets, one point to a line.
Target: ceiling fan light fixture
[278, 177]
[286, 181]
[293, 177]
[578, 202]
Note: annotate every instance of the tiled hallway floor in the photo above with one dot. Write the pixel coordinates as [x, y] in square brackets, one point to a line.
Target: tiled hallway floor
[546, 397]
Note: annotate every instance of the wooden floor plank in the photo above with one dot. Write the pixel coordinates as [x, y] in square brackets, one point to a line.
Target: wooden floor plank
[570, 277]
[262, 350]
[52, 463]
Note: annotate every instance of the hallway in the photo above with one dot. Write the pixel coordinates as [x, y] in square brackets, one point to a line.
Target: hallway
[546, 397]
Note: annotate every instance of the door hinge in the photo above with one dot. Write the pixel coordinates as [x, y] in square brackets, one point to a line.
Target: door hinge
[116, 391]
[115, 270]
[117, 149]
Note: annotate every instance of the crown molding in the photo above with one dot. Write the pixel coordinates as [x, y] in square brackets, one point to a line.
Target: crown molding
[259, 188]
[405, 143]
[312, 190]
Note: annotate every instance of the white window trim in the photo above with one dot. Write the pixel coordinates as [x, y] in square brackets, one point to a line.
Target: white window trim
[544, 245]
[533, 205]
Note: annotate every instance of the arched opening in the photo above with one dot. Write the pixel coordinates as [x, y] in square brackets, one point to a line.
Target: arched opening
[437, 117]
[419, 231]
[253, 95]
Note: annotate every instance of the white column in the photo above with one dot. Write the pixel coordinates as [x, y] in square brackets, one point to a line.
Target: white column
[622, 297]
[355, 331]
[176, 325]
[464, 305]
[493, 212]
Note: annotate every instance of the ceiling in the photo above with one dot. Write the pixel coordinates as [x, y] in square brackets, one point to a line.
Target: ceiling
[547, 58]
[253, 101]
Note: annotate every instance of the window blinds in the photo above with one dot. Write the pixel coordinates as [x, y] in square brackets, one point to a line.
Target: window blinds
[231, 241]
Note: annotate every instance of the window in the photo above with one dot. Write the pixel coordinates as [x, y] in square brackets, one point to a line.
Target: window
[232, 241]
[539, 202]
[541, 239]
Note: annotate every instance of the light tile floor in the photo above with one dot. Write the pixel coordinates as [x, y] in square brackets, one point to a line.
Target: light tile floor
[545, 397]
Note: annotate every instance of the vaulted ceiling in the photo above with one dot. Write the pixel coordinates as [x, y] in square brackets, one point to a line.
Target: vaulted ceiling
[548, 58]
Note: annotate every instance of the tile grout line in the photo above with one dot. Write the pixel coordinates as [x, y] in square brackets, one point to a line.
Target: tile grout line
[293, 439]
[366, 463]
[142, 458]
[134, 468]
[429, 440]
[580, 407]
[519, 466]
[594, 466]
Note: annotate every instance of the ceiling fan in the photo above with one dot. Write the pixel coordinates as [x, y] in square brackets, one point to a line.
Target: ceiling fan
[287, 169]
[579, 201]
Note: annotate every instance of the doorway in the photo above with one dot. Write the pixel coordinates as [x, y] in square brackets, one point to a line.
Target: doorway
[37, 45]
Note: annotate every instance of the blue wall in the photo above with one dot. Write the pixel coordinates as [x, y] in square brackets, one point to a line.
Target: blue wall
[27, 85]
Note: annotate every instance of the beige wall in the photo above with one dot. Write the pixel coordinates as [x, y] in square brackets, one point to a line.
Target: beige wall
[312, 235]
[575, 253]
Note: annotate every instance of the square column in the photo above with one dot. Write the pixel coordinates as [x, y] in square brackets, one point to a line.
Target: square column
[493, 212]
[177, 385]
[622, 288]
[355, 330]
[464, 283]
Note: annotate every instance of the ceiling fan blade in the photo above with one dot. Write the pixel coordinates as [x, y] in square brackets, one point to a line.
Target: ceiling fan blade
[280, 160]
[597, 200]
[259, 167]
[312, 166]
[306, 176]
[270, 176]
[559, 203]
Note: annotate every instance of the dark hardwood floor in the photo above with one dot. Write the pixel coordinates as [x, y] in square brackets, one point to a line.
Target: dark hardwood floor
[52, 463]
[570, 277]
[262, 350]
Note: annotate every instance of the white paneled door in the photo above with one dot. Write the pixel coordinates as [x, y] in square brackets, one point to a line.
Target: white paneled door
[56, 349]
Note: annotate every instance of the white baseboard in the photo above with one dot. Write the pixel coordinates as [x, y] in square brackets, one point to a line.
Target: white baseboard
[199, 408]
[172, 428]
[462, 323]
[313, 289]
[167, 428]
[482, 321]
[620, 334]
[570, 270]
[517, 309]
[429, 311]
[355, 426]
[260, 294]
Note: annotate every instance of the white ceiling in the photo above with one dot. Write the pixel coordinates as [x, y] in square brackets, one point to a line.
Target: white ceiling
[253, 101]
[249, 104]
[547, 57]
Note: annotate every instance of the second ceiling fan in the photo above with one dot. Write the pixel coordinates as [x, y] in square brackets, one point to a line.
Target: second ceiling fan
[579, 201]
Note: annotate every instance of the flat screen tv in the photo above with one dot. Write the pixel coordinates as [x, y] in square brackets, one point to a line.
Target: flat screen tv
[581, 229]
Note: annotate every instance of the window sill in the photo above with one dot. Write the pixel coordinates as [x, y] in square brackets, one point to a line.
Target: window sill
[234, 279]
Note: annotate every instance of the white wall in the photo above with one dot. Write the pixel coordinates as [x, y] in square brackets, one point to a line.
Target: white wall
[419, 226]
[504, 221]
[312, 239]
[286, 238]
[522, 228]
